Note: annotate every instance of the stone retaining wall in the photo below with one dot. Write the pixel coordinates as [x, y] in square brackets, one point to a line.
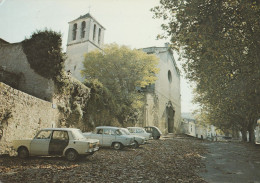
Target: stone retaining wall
[16, 119]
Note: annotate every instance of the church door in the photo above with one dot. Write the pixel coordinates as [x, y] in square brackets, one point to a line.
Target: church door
[170, 119]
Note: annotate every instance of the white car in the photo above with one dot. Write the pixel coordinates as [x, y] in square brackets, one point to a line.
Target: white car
[68, 142]
[155, 131]
[140, 132]
[138, 140]
[109, 136]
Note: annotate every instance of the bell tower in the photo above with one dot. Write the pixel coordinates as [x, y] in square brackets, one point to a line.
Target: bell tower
[85, 34]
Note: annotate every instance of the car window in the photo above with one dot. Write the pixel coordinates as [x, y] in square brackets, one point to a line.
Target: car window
[45, 134]
[125, 131]
[77, 134]
[131, 130]
[107, 132]
[118, 132]
[112, 132]
[60, 135]
[99, 131]
[138, 131]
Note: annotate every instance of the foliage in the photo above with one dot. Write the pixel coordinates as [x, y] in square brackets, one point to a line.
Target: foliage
[219, 42]
[120, 70]
[44, 53]
[73, 99]
[101, 108]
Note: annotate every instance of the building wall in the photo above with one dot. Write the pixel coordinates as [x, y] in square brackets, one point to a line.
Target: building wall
[14, 60]
[166, 94]
[27, 114]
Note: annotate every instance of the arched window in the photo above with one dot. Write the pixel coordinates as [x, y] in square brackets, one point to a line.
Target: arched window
[99, 35]
[94, 32]
[74, 32]
[83, 27]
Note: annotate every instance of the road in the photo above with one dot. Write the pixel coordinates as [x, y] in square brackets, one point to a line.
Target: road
[231, 162]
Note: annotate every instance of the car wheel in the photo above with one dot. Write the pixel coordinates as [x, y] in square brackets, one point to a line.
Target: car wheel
[23, 152]
[136, 145]
[117, 146]
[71, 155]
[92, 153]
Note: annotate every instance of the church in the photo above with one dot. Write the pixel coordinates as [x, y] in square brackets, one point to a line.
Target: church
[162, 99]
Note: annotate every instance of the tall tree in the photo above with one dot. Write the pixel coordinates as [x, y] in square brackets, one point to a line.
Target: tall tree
[121, 70]
[219, 41]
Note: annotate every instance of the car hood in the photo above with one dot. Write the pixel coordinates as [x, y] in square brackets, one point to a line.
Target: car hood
[92, 140]
[138, 137]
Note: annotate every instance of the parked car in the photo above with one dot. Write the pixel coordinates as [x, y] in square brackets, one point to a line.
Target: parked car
[138, 140]
[109, 136]
[68, 142]
[156, 132]
[140, 132]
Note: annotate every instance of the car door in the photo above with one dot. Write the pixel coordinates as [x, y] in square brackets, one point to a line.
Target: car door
[59, 141]
[108, 137]
[40, 143]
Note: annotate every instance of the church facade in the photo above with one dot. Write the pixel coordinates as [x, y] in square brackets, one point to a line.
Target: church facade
[162, 99]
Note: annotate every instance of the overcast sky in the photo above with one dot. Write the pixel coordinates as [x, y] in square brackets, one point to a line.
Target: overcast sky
[127, 22]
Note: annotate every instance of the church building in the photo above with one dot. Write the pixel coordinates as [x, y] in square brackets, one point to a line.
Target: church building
[162, 99]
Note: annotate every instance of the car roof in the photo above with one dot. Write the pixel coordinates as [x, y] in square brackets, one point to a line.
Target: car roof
[153, 127]
[135, 127]
[110, 127]
[57, 129]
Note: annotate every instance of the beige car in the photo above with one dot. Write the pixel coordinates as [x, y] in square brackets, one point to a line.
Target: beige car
[68, 142]
[140, 132]
[110, 136]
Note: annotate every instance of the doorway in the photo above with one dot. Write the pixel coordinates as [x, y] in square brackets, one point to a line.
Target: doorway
[170, 118]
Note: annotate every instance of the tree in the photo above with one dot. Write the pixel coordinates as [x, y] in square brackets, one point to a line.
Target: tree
[121, 70]
[219, 43]
[44, 53]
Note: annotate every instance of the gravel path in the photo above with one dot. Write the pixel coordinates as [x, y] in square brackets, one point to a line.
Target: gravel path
[166, 160]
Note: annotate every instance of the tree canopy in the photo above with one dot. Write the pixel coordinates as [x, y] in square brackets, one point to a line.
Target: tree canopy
[219, 41]
[120, 70]
[44, 53]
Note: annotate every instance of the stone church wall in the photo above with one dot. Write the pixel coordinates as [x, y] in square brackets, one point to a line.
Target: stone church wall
[14, 60]
[165, 100]
[22, 115]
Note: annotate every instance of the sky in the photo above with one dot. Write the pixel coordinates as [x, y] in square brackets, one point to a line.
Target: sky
[127, 22]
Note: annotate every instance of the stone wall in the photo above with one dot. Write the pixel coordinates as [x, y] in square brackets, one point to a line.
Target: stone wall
[22, 115]
[14, 60]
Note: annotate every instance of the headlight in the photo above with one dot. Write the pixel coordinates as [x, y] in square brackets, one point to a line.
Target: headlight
[90, 145]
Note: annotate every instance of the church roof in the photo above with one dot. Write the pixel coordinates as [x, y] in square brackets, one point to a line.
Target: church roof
[88, 15]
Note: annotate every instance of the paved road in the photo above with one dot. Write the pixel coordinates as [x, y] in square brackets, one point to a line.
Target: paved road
[232, 162]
